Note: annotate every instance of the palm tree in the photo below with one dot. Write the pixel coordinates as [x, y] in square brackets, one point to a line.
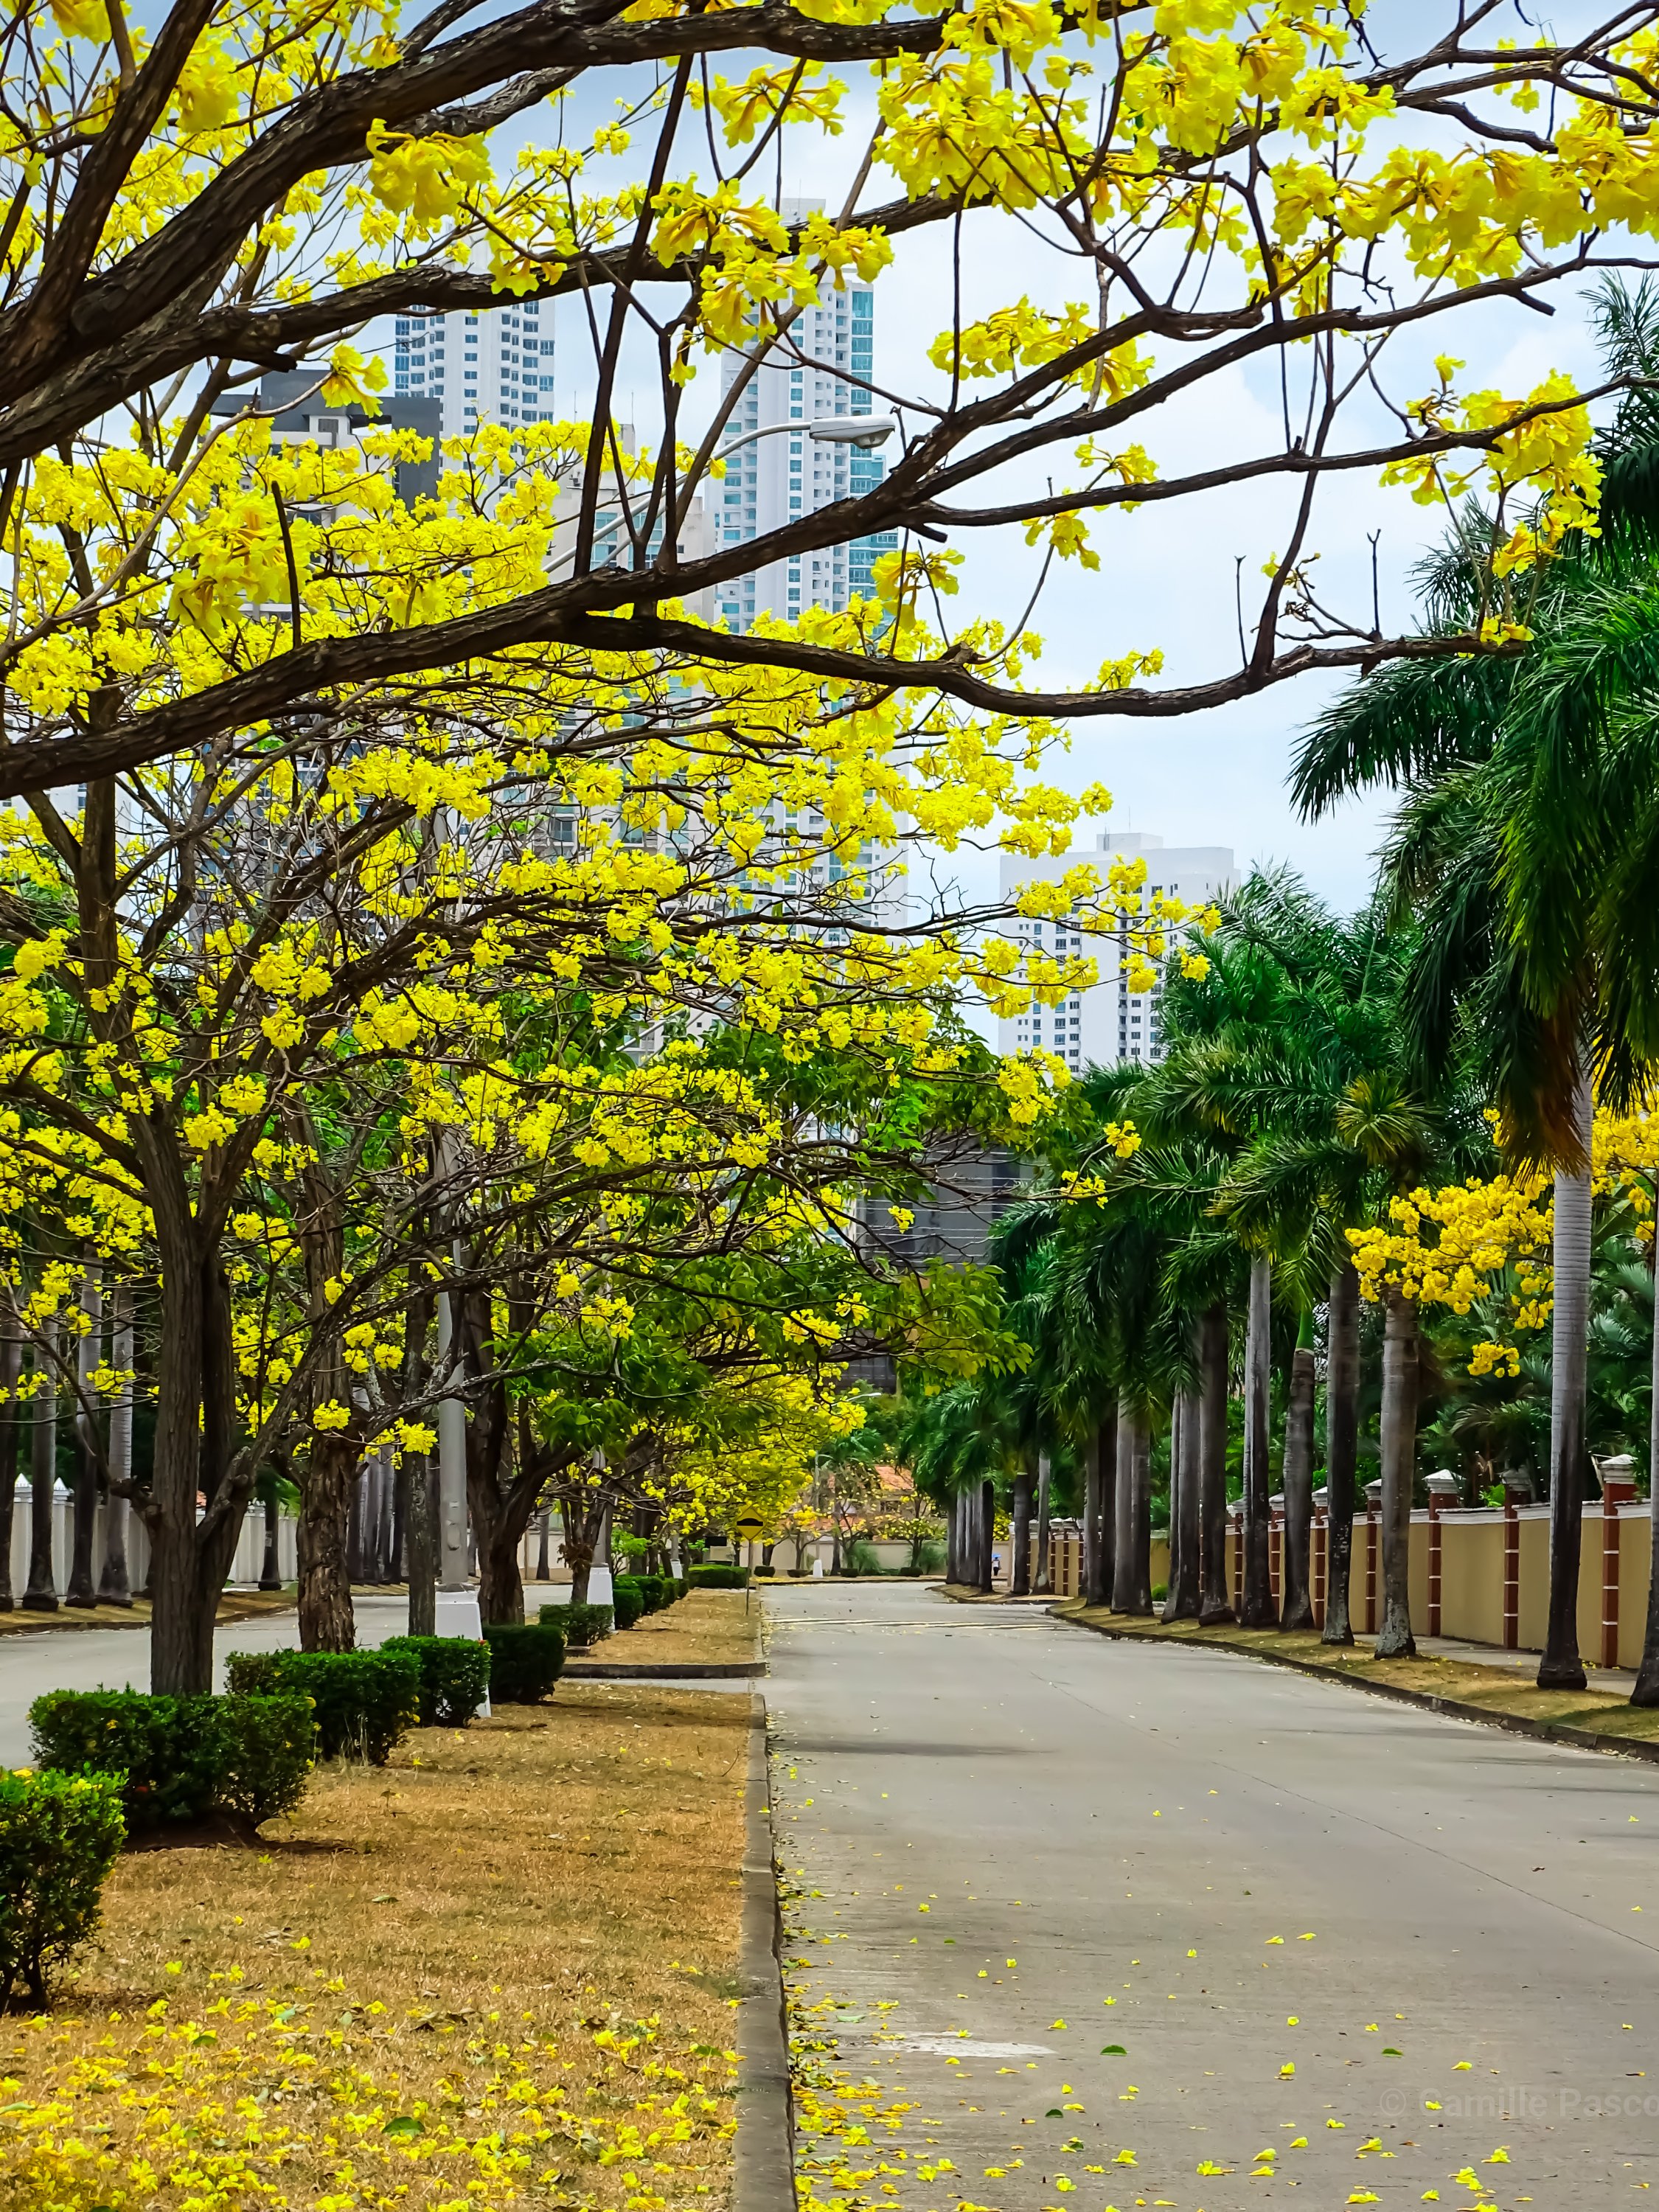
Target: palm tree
[1525, 846]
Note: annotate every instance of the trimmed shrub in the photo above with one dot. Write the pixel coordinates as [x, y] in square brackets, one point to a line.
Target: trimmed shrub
[163, 1747]
[627, 1600]
[581, 1625]
[266, 1746]
[364, 1703]
[656, 1590]
[59, 1835]
[717, 1576]
[526, 1658]
[181, 1759]
[454, 1676]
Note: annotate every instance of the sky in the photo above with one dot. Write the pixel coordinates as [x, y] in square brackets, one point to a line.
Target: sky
[1168, 574]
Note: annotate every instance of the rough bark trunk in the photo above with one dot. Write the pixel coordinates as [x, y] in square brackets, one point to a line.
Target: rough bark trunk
[1042, 1581]
[1561, 1667]
[1098, 1504]
[423, 1528]
[1297, 1610]
[114, 1584]
[1260, 1611]
[11, 1432]
[1646, 1691]
[41, 1593]
[326, 1620]
[1400, 1379]
[79, 1589]
[270, 1565]
[1341, 1447]
[1123, 1509]
[1182, 1601]
[1214, 1603]
[1020, 1580]
[987, 1535]
[543, 1541]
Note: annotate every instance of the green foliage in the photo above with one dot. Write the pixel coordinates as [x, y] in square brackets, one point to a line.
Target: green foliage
[59, 1835]
[182, 1758]
[454, 1676]
[627, 1600]
[860, 1558]
[716, 1575]
[628, 1547]
[364, 1703]
[581, 1624]
[653, 1591]
[525, 1659]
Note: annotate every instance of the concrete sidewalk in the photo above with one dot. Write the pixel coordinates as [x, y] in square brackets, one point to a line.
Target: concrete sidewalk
[1266, 1940]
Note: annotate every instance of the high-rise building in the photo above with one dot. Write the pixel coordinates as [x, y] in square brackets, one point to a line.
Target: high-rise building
[483, 365]
[1108, 1023]
[819, 372]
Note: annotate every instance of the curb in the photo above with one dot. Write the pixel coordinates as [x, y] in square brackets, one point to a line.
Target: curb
[763, 2177]
[1456, 1709]
[697, 1671]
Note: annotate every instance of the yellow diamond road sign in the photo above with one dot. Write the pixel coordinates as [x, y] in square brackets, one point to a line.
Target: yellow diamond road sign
[748, 1528]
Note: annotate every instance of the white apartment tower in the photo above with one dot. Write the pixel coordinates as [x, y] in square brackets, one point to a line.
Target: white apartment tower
[821, 369]
[483, 365]
[1107, 1023]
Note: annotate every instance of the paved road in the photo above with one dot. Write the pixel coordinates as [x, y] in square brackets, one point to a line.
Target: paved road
[1448, 1933]
[118, 1658]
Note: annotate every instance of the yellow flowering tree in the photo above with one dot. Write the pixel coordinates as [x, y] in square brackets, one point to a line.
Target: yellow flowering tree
[192, 202]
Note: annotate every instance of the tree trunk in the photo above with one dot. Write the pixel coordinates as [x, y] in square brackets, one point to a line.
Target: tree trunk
[421, 1537]
[1297, 1610]
[1173, 1540]
[1141, 1514]
[1561, 1667]
[1400, 1379]
[1020, 1581]
[326, 1494]
[422, 1547]
[1214, 1603]
[1123, 1514]
[987, 1535]
[1043, 1581]
[79, 1590]
[1185, 1543]
[1099, 1503]
[40, 1595]
[11, 1432]
[1341, 1447]
[1646, 1691]
[387, 1550]
[1260, 1611]
[543, 1558]
[270, 1561]
[115, 1585]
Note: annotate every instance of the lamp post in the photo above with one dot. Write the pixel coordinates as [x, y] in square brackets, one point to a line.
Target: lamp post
[867, 432]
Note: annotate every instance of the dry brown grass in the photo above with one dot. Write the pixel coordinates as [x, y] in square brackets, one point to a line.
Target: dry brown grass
[1492, 1689]
[234, 1605]
[709, 1627]
[514, 1896]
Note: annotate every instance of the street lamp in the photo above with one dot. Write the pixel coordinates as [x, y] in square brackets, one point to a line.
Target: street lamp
[865, 431]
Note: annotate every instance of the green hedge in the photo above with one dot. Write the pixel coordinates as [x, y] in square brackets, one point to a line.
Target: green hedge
[658, 1591]
[182, 1758]
[454, 1676]
[717, 1576]
[627, 1600]
[365, 1701]
[59, 1834]
[525, 1659]
[581, 1624]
